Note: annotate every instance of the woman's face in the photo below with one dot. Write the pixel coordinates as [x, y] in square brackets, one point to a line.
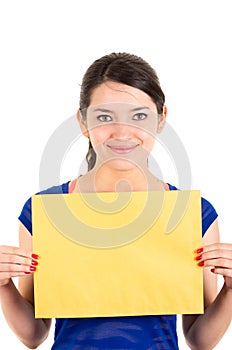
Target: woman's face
[121, 123]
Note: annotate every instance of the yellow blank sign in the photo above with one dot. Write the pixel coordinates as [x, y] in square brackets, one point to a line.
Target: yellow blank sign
[110, 254]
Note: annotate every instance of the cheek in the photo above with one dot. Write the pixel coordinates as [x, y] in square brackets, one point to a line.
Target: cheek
[98, 135]
[148, 141]
[146, 135]
[148, 130]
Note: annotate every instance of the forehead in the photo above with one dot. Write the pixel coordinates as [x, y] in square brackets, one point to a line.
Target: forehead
[113, 92]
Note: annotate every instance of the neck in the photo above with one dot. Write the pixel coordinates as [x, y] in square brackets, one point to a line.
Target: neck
[121, 180]
[106, 179]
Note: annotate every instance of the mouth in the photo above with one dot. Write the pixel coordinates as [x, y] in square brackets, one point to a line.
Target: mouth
[122, 149]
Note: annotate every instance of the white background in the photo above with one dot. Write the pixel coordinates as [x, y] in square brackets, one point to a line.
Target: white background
[46, 46]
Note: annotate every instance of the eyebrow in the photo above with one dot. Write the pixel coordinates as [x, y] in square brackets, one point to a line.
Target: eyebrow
[102, 110]
[139, 108]
[109, 111]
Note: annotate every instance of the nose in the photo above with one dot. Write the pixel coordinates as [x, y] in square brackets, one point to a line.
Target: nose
[121, 131]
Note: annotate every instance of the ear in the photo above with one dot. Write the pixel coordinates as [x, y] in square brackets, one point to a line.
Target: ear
[83, 124]
[162, 119]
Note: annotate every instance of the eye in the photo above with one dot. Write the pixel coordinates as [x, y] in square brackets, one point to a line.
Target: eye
[104, 118]
[139, 116]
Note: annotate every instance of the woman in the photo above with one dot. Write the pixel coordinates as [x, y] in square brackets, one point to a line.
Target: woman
[119, 145]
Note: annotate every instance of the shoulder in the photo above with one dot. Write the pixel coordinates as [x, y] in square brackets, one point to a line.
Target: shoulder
[208, 212]
[56, 189]
[25, 215]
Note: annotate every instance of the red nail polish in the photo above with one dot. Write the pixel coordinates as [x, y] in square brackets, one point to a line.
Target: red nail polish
[27, 273]
[200, 250]
[201, 263]
[32, 268]
[35, 256]
[34, 263]
[198, 257]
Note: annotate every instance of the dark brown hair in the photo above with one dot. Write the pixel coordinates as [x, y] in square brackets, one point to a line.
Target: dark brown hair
[122, 68]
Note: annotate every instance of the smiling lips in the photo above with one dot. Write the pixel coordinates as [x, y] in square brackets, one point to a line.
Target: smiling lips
[122, 149]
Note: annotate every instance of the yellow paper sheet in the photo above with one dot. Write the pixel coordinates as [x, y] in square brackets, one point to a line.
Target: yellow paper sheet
[111, 254]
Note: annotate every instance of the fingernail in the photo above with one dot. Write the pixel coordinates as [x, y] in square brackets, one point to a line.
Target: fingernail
[198, 257]
[32, 268]
[35, 256]
[201, 263]
[34, 263]
[200, 250]
[27, 273]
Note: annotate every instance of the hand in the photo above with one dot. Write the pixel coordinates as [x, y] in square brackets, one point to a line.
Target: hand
[15, 262]
[219, 257]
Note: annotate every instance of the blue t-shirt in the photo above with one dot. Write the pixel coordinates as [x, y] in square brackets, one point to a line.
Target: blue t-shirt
[105, 333]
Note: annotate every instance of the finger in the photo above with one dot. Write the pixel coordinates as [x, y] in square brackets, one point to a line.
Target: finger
[8, 275]
[15, 259]
[11, 268]
[216, 254]
[217, 246]
[14, 251]
[223, 272]
[219, 263]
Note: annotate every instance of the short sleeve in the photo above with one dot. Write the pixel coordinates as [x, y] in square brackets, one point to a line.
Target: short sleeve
[209, 215]
[25, 217]
[208, 212]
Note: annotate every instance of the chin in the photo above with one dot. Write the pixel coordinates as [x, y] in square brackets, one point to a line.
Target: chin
[122, 165]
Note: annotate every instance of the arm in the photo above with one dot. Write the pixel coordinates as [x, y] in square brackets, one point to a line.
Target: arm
[17, 304]
[205, 331]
